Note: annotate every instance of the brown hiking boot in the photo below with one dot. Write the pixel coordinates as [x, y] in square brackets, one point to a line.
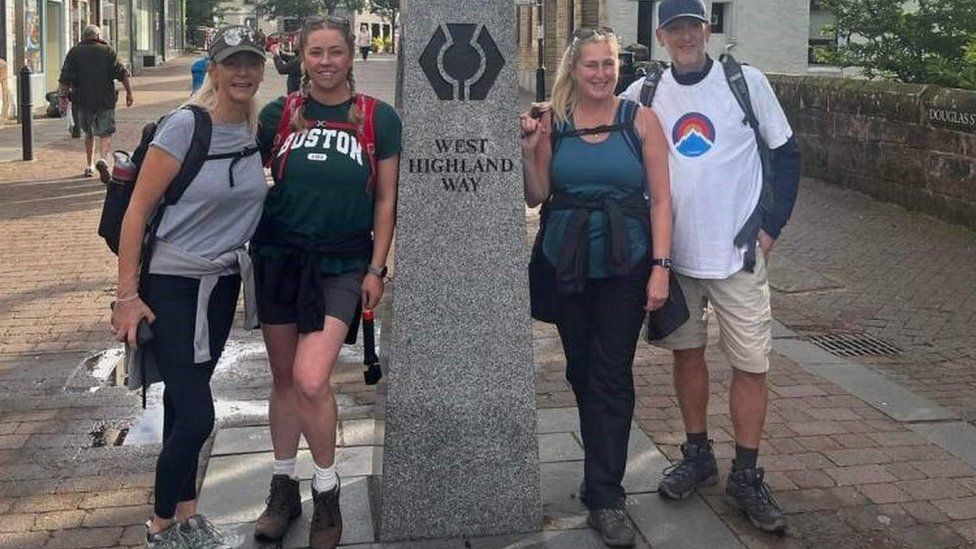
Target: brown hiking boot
[326, 520]
[284, 504]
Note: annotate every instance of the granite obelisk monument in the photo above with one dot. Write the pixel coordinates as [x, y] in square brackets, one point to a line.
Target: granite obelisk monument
[461, 455]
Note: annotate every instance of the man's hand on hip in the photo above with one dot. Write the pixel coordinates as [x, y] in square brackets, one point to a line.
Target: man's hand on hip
[766, 243]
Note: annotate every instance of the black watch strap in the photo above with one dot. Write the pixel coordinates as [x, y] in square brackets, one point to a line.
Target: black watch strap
[664, 262]
[378, 271]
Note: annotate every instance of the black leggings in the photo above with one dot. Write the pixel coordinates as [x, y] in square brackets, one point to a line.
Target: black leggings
[599, 330]
[188, 409]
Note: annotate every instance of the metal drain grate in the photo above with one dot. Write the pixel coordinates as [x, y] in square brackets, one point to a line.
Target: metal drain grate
[855, 344]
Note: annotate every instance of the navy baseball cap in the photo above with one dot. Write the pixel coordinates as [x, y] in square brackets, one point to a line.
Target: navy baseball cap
[671, 10]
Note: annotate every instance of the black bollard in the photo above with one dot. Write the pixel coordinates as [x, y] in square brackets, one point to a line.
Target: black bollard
[26, 108]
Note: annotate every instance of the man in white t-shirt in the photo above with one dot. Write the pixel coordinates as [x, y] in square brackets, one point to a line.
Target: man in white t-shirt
[716, 189]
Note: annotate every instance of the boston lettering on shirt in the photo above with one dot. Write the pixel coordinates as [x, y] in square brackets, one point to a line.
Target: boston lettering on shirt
[325, 140]
[323, 192]
[716, 174]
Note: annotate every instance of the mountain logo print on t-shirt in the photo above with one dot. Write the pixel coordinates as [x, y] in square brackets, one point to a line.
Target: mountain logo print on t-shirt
[693, 134]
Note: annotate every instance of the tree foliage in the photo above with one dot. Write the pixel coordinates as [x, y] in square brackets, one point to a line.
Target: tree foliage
[386, 9]
[924, 45]
[203, 13]
[303, 8]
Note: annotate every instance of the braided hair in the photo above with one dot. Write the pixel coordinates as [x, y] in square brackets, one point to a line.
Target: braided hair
[298, 121]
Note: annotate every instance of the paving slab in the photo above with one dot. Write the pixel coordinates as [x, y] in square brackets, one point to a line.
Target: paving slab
[357, 515]
[245, 440]
[244, 479]
[886, 396]
[781, 331]
[805, 353]
[688, 524]
[357, 523]
[555, 447]
[575, 539]
[958, 437]
[557, 420]
[257, 438]
[560, 481]
[789, 277]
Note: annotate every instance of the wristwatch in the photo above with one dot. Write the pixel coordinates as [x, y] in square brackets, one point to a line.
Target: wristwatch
[378, 271]
[664, 262]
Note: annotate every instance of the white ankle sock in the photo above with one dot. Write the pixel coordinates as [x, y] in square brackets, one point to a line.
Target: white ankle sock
[286, 467]
[325, 478]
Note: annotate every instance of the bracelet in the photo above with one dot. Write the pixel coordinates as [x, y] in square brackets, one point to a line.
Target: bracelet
[132, 297]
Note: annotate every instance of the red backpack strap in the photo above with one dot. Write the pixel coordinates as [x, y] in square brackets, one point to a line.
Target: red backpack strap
[292, 102]
[366, 133]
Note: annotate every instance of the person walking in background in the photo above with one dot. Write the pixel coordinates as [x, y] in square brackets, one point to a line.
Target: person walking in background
[364, 41]
[289, 64]
[726, 221]
[609, 246]
[198, 264]
[319, 252]
[89, 73]
[198, 73]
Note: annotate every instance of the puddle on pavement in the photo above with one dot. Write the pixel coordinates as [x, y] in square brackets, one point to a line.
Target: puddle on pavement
[147, 427]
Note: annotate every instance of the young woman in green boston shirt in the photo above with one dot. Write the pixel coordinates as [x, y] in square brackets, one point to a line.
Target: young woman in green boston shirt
[321, 247]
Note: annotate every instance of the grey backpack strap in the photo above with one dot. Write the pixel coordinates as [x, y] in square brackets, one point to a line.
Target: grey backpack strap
[651, 80]
[740, 90]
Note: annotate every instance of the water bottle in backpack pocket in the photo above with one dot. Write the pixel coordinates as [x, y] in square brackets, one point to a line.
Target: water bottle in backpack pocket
[118, 193]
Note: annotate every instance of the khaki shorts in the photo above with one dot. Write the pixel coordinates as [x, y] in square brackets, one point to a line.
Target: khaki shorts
[741, 305]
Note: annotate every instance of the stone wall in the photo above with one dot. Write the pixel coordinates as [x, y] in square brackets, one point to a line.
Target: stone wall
[913, 145]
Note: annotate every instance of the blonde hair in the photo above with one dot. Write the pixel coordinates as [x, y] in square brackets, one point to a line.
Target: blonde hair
[298, 121]
[206, 97]
[565, 90]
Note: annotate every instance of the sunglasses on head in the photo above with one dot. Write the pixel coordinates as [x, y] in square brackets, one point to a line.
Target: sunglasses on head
[589, 32]
[333, 19]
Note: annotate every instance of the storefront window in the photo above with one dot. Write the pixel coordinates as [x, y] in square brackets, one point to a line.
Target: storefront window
[32, 35]
[108, 21]
[174, 27]
[79, 20]
[144, 25]
[122, 43]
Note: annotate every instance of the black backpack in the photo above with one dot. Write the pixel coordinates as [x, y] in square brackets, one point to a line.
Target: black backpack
[118, 193]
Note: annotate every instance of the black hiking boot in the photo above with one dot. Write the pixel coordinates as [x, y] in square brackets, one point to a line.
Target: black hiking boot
[696, 468]
[746, 491]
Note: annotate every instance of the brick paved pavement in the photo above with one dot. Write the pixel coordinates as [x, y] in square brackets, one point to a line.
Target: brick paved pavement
[903, 277]
[848, 475]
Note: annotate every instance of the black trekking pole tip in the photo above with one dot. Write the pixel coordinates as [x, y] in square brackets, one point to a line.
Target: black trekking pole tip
[372, 374]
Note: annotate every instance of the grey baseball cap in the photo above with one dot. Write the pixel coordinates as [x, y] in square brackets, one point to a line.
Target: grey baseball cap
[672, 10]
[235, 39]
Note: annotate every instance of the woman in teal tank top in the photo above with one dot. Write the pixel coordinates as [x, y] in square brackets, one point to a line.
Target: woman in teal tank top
[593, 161]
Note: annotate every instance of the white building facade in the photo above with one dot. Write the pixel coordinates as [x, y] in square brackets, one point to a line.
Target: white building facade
[773, 35]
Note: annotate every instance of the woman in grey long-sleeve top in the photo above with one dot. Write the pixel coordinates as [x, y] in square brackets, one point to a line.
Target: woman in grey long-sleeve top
[197, 267]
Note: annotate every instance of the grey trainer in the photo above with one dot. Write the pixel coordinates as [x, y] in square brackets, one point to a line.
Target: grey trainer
[614, 528]
[746, 491]
[170, 537]
[200, 533]
[696, 468]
